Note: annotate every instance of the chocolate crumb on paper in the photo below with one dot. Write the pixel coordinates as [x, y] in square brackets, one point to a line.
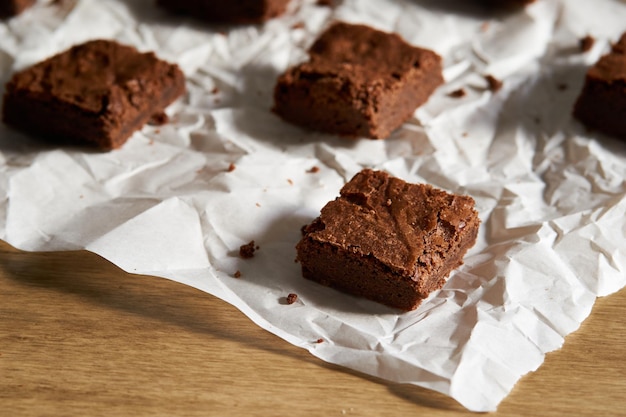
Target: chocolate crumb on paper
[292, 298]
[493, 83]
[586, 43]
[457, 93]
[313, 170]
[158, 119]
[237, 274]
[247, 251]
[231, 167]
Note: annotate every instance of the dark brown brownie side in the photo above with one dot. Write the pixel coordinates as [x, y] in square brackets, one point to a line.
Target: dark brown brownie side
[601, 104]
[359, 82]
[387, 240]
[232, 11]
[97, 93]
[9, 8]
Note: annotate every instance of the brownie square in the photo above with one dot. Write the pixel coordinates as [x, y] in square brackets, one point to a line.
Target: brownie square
[97, 93]
[10, 8]
[601, 104]
[387, 240]
[358, 82]
[232, 11]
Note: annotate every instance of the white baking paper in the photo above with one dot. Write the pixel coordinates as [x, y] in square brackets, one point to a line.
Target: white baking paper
[551, 195]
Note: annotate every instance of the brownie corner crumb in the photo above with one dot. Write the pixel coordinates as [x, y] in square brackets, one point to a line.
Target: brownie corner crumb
[459, 93]
[493, 83]
[158, 119]
[247, 251]
[586, 43]
[292, 298]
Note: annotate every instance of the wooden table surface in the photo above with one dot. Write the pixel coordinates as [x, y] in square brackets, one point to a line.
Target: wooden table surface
[78, 336]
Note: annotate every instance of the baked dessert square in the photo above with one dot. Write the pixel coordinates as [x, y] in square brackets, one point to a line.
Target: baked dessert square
[97, 93]
[232, 11]
[388, 240]
[358, 82]
[601, 104]
[10, 8]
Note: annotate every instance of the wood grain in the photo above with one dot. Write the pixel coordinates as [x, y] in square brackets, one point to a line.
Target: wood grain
[78, 336]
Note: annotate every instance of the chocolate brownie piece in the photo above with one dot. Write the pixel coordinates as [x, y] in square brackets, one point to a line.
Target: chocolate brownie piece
[97, 93]
[358, 82]
[602, 103]
[232, 11]
[388, 240]
[10, 8]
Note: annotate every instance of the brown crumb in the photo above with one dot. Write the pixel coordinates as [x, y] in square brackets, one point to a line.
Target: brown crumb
[494, 83]
[457, 93]
[247, 251]
[586, 43]
[231, 167]
[292, 298]
[297, 25]
[237, 274]
[327, 3]
[158, 119]
[464, 134]
[320, 340]
[314, 169]
[215, 90]
[290, 181]
[257, 204]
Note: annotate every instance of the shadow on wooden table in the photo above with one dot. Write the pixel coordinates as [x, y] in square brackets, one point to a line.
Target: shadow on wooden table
[100, 284]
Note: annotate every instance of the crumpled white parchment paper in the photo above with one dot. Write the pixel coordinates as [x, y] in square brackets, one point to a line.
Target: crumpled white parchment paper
[551, 195]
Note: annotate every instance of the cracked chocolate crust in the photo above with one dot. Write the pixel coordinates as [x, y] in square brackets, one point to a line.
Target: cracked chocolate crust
[358, 82]
[97, 93]
[388, 240]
